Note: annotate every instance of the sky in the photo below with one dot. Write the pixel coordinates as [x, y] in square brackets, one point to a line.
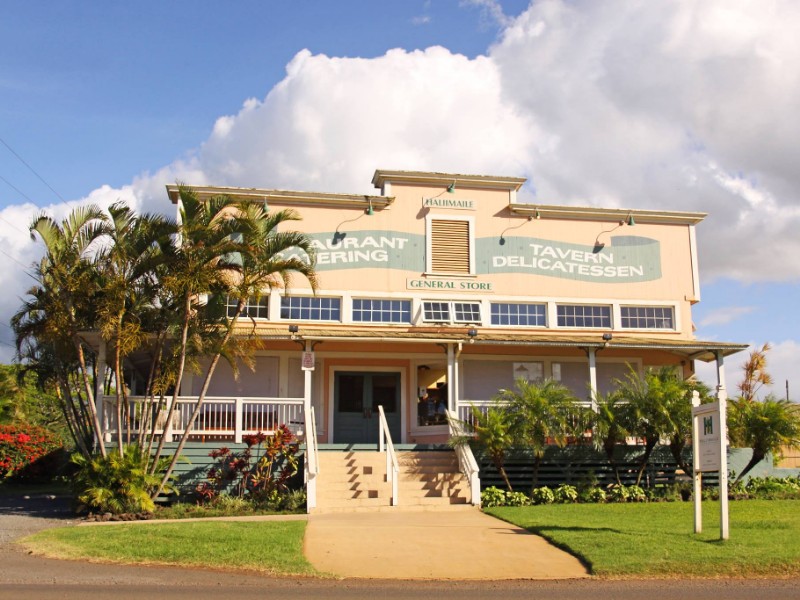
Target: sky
[675, 105]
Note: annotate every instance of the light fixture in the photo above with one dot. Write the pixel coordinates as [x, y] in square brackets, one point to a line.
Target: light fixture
[472, 333]
[293, 329]
[266, 206]
[537, 214]
[369, 210]
[630, 221]
[607, 337]
[451, 189]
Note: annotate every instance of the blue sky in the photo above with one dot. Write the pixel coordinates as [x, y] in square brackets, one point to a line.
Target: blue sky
[684, 106]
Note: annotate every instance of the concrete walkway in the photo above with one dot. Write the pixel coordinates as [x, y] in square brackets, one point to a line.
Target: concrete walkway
[463, 544]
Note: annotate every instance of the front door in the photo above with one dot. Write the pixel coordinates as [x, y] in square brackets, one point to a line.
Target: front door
[356, 397]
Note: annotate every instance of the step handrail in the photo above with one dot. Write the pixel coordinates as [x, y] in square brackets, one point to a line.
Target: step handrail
[386, 445]
[466, 459]
[312, 460]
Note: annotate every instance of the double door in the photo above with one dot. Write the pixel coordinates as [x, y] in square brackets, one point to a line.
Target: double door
[357, 396]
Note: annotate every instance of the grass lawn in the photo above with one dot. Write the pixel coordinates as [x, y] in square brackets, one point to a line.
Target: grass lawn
[618, 540]
[274, 547]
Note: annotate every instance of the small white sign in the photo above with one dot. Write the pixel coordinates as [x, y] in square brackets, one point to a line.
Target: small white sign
[707, 427]
[307, 363]
[529, 371]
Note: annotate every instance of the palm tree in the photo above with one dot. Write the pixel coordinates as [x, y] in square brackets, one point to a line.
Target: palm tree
[542, 414]
[51, 320]
[766, 426]
[250, 260]
[612, 425]
[492, 432]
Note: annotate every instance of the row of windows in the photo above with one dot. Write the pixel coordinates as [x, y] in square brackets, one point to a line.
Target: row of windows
[374, 310]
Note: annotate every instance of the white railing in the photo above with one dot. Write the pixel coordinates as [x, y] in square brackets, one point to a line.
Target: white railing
[385, 445]
[219, 418]
[312, 460]
[466, 459]
[465, 414]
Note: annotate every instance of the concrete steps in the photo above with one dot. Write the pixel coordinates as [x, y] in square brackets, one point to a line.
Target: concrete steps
[355, 480]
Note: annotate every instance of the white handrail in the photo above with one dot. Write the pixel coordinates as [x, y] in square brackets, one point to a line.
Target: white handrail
[385, 443]
[312, 460]
[466, 459]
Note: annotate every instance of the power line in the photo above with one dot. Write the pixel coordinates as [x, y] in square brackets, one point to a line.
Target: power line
[14, 259]
[32, 170]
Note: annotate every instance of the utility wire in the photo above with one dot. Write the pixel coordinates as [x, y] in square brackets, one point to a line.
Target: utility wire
[14, 259]
[32, 170]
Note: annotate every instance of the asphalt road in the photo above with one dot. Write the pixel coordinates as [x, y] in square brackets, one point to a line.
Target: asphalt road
[24, 576]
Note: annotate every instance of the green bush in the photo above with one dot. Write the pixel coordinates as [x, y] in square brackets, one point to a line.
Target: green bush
[773, 488]
[565, 494]
[636, 494]
[618, 493]
[542, 495]
[117, 484]
[593, 495]
[517, 499]
[492, 496]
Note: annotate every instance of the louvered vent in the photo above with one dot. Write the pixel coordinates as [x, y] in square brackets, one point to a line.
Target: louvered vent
[450, 246]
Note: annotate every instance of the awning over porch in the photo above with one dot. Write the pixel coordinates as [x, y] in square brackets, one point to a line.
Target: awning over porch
[691, 349]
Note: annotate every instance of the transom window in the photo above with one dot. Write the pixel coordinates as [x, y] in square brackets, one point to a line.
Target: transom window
[647, 317]
[451, 312]
[253, 309]
[583, 315]
[368, 310]
[527, 315]
[309, 308]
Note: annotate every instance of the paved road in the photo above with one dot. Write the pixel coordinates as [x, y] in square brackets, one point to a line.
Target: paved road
[23, 576]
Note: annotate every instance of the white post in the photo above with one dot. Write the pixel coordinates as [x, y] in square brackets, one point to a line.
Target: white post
[237, 420]
[592, 354]
[696, 475]
[451, 370]
[722, 397]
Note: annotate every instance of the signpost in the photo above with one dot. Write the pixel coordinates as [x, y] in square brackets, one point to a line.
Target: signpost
[710, 453]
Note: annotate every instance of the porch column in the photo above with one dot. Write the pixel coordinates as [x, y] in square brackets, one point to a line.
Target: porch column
[722, 397]
[451, 374]
[592, 354]
[307, 373]
[98, 393]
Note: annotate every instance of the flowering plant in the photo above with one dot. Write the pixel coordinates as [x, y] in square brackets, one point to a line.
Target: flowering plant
[22, 449]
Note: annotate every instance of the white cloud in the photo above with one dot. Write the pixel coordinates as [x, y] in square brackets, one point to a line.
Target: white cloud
[725, 315]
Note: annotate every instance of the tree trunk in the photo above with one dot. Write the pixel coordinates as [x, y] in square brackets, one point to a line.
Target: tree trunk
[649, 444]
[757, 457]
[90, 398]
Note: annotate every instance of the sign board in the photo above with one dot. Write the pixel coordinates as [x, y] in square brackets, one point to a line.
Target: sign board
[529, 371]
[449, 285]
[708, 441]
[307, 361]
[449, 203]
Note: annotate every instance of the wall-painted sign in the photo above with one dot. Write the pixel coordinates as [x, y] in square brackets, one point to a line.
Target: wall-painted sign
[461, 285]
[449, 203]
[624, 259]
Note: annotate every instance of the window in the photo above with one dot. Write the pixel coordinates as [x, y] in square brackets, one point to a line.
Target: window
[366, 310]
[253, 309]
[583, 315]
[647, 317]
[527, 315]
[310, 309]
[450, 246]
[451, 312]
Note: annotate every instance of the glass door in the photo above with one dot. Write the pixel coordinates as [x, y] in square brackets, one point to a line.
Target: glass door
[357, 396]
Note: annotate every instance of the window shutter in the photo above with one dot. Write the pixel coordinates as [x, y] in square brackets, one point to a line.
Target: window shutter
[450, 246]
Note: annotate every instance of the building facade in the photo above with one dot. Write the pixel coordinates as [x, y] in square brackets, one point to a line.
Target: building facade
[442, 289]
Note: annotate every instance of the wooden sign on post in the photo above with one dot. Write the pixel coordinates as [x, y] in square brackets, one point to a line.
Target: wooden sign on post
[709, 454]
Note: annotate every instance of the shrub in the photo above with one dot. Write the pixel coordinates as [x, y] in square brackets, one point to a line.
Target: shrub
[565, 494]
[773, 488]
[594, 495]
[492, 496]
[542, 495]
[117, 484]
[517, 499]
[27, 451]
[618, 493]
[636, 494]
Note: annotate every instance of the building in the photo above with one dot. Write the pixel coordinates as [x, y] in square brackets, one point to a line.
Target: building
[441, 290]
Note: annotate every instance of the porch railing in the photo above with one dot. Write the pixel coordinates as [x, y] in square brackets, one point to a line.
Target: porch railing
[465, 415]
[386, 445]
[466, 459]
[221, 417]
